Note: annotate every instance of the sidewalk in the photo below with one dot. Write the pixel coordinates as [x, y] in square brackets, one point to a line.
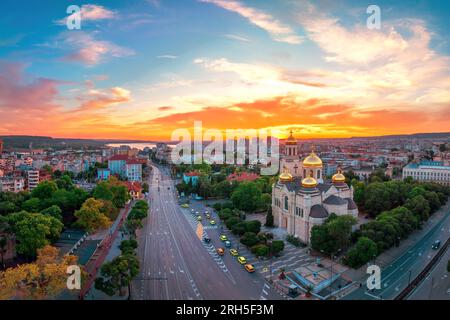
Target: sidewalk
[106, 249]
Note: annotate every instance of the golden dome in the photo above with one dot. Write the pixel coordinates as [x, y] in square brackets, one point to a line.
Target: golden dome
[309, 182]
[312, 160]
[291, 140]
[338, 177]
[285, 176]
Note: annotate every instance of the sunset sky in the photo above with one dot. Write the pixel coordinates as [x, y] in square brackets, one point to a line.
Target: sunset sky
[140, 69]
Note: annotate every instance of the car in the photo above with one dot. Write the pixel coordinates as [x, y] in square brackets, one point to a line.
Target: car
[223, 237]
[228, 244]
[242, 260]
[436, 245]
[207, 240]
[199, 218]
[234, 252]
[208, 216]
[249, 267]
[212, 222]
[220, 251]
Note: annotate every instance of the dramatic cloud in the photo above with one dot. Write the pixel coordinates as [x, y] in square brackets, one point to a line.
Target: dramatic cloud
[88, 50]
[237, 37]
[165, 108]
[92, 12]
[278, 31]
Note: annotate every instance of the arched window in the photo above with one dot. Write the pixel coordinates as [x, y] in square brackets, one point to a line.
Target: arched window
[304, 173]
[286, 203]
[318, 174]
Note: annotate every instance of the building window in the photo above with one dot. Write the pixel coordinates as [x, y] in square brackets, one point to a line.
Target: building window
[318, 174]
[286, 203]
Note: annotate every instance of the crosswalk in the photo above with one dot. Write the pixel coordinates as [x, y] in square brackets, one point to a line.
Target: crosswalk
[209, 247]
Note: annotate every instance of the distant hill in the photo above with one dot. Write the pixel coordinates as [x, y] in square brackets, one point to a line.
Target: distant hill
[434, 135]
[24, 142]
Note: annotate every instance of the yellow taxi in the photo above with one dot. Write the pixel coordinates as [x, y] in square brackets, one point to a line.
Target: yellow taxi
[250, 268]
[242, 260]
[234, 252]
[185, 205]
[223, 237]
[212, 222]
[199, 218]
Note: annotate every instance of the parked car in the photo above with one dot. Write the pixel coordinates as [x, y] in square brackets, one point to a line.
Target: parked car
[220, 251]
[228, 244]
[207, 240]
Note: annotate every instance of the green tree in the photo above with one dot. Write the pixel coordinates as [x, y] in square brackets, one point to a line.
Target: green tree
[364, 251]
[128, 246]
[249, 239]
[269, 218]
[44, 190]
[90, 217]
[53, 211]
[246, 197]
[277, 246]
[433, 199]
[340, 228]
[260, 250]
[377, 198]
[118, 274]
[419, 207]
[7, 207]
[32, 205]
[33, 231]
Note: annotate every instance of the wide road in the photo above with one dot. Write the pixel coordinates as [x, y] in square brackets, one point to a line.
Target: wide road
[396, 276]
[176, 264]
[436, 286]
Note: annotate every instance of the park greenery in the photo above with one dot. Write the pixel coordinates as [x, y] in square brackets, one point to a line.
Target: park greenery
[397, 208]
[260, 243]
[248, 196]
[117, 275]
[42, 279]
[36, 219]
[134, 220]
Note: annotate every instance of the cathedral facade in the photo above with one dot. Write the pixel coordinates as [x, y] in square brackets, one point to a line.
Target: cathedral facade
[302, 199]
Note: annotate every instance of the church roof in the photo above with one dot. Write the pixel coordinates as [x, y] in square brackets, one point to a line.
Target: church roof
[351, 204]
[335, 200]
[324, 187]
[318, 211]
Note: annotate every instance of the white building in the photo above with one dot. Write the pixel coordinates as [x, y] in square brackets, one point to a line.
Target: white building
[32, 179]
[428, 171]
[13, 184]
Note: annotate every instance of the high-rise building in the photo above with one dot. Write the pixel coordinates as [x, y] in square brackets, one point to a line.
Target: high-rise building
[32, 179]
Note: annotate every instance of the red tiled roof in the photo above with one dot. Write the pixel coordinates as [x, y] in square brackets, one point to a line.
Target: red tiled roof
[119, 157]
[243, 176]
[192, 174]
[133, 161]
[133, 186]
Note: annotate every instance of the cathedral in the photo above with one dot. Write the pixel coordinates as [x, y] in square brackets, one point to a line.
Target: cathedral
[301, 198]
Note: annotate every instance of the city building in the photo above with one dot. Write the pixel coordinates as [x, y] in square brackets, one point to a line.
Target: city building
[125, 167]
[134, 189]
[191, 176]
[1, 146]
[32, 179]
[299, 203]
[103, 174]
[12, 184]
[428, 171]
[133, 170]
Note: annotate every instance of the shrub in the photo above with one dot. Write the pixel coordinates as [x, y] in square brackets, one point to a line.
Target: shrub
[217, 206]
[260, 250]
[277, 246]
[239, 228]
[253, 226]
[230, 222]
[249, 239]
[294, 241]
